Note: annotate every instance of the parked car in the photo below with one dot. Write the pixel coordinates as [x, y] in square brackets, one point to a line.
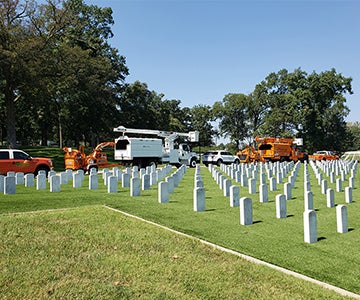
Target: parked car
[219, 157]
[12, 160]
[324, 155]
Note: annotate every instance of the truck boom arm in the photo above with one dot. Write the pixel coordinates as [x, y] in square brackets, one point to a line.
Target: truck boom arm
[169, 136]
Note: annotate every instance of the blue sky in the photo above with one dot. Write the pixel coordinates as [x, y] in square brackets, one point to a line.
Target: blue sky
[199, 51]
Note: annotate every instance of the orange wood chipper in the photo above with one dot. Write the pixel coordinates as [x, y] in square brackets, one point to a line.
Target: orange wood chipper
[76, 159]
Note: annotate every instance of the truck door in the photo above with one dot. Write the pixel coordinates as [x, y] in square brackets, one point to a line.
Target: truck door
[21, 162]
[5, 162]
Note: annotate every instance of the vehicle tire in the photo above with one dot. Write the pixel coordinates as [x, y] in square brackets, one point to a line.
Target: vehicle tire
[236, 161]
[219, 162]
[42, 168]
[93, 167]
[152, 162]
[193, 163]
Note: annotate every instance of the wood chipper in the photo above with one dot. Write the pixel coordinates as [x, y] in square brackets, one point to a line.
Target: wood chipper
[76, 159]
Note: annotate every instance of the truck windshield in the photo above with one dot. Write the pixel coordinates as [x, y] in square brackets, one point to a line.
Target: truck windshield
[265, 147]
[186, 148]
[121, 144]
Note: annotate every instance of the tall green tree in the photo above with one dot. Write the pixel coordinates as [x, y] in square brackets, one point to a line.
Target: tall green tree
[201, 120]
[324, 110]
[232, 116]
[309, 106]
[256, 110]
[353, 135]
[70, 76]
[139, 107]
[14, 38]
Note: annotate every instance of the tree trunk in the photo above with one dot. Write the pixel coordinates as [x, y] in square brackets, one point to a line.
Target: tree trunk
[10, 117]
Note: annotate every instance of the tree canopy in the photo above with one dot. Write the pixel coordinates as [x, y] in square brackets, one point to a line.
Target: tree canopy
[310, 106]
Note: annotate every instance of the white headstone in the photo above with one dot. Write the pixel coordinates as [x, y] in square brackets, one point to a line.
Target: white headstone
[348, 194]
[125, 181]
[199, 199]
[273, 184]
[324, 186]
[55, 183]
[29, 180]
[308, 201]
[341, 219]
[145, 182]
[51, 173]
[9, 185]
[135, 187]
[338, 185]
[41, 182]
[93, 181]
[234, 196]
[252, 186]
[226, 187]
[280, 206]
[2, 179]
[163, 192]
[287, 191]
[170, 181]
[19, 178]
[330, 198]
[112, 184]
[153, 179]
[310, 227]
[245, 211]
[63, 178]
[263, 193]
[77, 180]
[106, 177]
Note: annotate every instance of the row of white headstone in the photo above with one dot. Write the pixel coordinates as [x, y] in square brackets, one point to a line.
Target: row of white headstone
[166, 187]
[330, 169]
[129, 178]
[310, 227]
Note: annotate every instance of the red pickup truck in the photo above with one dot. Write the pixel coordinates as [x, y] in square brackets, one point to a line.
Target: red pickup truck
[19, 161]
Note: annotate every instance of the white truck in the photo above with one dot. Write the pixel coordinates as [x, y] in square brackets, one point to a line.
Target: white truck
[146, 151]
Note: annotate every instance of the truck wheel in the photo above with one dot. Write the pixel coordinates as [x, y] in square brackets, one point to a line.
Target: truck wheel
[236, 162]
[152, 162]
[42, 168]
[219, 162]
[193, 163]
[93, 167]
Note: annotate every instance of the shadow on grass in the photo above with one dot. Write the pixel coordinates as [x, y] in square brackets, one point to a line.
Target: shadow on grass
[255, 222]
[321, 238]
[289, 216]
[351, 229]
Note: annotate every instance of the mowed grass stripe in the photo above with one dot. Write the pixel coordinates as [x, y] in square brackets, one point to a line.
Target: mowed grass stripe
[248, 258]
[91, 252]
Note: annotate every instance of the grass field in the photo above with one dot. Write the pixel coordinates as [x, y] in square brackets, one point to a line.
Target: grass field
[89, 228]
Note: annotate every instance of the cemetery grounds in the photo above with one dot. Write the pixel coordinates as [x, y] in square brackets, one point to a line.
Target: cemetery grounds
[69, 244]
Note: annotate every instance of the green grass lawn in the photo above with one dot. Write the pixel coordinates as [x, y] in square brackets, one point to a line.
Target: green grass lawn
[332, 259]
[92, 252]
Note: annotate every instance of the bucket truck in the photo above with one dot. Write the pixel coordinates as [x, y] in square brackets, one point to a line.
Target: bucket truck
[163, 149]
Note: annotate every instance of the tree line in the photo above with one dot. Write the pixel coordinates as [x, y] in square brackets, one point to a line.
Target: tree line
[61, 80]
